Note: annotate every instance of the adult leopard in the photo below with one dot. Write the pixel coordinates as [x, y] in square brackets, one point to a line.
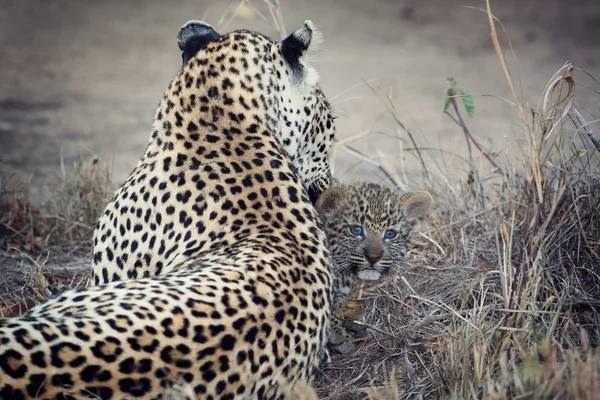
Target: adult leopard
[213, 162]
[233, 290]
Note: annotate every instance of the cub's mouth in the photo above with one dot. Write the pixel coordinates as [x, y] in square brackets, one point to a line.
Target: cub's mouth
[368, 274]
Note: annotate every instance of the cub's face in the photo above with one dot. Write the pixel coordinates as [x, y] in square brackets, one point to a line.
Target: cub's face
[368, 227]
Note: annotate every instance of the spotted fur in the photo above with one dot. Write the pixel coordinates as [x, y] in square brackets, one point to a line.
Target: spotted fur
[214, 161]
[231, 287]
[368, 255]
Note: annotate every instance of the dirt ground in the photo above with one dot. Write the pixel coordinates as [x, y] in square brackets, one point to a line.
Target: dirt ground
[81, 78]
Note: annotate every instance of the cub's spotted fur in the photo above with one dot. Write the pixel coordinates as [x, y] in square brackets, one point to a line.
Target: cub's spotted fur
[368, 229]
[232, 295]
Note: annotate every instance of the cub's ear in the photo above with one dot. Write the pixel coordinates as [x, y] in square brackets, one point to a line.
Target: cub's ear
[194, 36]
[295, 49]
[330, 199]
[416, 204]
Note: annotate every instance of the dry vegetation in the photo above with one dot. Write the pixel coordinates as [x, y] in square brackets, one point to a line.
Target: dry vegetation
[500, 298]
[44, 249]
[502, 294]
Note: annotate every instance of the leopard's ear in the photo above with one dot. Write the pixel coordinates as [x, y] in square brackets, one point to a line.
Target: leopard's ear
[330, 199]
[194, 36]
[295, 50]
[416, 204]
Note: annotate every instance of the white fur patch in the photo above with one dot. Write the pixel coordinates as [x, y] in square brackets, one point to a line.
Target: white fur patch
[345, 290]
[369, 275]
[317, 37]
[311, 76]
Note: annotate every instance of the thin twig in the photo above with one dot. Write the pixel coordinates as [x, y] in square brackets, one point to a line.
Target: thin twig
[403, 126]
[583, 124]
[468, 134]
[370, 160]
[473, 173]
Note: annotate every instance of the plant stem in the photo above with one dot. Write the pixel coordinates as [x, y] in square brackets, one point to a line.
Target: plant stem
[467, 133]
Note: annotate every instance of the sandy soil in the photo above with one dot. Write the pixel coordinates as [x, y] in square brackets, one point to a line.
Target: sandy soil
[83, 78]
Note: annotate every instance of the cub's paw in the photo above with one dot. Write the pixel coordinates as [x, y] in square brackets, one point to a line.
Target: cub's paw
[340, 341]
[344, 348]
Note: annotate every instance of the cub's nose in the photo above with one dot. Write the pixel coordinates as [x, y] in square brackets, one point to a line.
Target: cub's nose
[373, 255]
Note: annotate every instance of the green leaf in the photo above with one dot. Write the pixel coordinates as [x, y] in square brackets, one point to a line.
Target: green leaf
[467, 100]
[490, 142]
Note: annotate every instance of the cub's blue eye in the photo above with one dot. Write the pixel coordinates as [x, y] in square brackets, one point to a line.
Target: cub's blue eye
[356, 230]
[390, 234]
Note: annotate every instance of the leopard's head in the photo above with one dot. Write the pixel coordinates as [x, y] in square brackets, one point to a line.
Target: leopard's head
[368, 227]
[260, 78]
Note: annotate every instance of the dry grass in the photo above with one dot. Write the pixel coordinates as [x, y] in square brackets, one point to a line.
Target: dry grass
[44, 248]
[500, 298]
[66, 222]
[502, 295]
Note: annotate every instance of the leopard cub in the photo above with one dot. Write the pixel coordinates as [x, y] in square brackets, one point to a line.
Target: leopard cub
[368, 229]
